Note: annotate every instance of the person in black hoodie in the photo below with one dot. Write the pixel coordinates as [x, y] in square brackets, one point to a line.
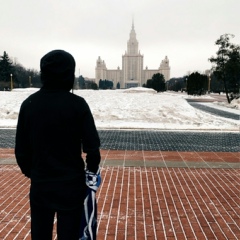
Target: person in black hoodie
[54, 128]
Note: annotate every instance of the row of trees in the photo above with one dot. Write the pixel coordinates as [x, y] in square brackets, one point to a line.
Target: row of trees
[105, 84]
[15, 75]
[176, 84]
[81, 83]
[180, 84]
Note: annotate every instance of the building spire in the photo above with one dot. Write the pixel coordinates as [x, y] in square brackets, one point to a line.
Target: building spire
[132, 22]
[132, 42]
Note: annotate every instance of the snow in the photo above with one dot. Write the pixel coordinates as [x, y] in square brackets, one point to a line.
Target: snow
[135, 108]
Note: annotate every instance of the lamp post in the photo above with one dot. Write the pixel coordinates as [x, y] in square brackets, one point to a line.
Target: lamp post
[30, 81]
[186, 84]
[209, 81]
[11, 81]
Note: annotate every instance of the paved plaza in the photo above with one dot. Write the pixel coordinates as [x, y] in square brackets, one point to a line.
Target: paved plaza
[155, 185]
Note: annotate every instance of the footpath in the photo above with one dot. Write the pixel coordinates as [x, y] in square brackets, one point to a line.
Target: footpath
[144, 195]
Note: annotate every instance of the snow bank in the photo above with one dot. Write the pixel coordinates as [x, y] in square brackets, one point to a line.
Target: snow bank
[235, 104]
[137, 108]
[139, 90]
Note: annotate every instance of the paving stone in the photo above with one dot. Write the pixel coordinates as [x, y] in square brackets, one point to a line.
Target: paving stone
[154, 159]
[154, 140]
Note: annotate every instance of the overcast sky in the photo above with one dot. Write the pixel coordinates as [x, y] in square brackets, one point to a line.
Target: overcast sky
[183, 30]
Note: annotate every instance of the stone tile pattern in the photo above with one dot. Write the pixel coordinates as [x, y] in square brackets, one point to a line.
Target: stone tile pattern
[142, 203]
[124, 158]
[154, 140]
[170, 141]
[170, 159]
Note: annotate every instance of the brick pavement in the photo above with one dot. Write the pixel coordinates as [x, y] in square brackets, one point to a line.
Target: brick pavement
[144, 195]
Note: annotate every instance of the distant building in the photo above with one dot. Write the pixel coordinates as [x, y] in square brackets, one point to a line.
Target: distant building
[132, 73]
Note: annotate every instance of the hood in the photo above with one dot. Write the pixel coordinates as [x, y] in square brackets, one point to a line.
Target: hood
[57, 70]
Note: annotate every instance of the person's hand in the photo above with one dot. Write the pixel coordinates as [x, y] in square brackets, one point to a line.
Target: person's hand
[93, 180]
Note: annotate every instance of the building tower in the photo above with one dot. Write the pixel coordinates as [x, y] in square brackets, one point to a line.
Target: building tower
[100, 69]
[132, 62]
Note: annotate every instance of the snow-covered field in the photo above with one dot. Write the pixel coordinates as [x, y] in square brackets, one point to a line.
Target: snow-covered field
[136, 108]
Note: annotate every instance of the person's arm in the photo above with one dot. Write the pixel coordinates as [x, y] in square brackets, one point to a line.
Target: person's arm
[90, 141]
[22, 145]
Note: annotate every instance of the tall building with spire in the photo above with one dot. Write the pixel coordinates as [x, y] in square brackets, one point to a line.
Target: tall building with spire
[132, 73]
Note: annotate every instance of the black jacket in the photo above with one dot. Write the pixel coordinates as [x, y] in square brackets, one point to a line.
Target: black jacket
[54, 127]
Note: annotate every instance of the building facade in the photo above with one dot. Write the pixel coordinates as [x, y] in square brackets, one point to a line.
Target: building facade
[132, 73]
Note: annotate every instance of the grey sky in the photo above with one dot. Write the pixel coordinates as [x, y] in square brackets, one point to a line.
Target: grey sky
[183, 30]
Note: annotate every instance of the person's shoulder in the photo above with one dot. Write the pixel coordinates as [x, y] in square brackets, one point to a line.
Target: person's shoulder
[30, 98]
[77, 101]
[77, 97]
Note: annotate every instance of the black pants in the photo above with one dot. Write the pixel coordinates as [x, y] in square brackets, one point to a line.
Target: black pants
[63, 199]
[68, 223]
